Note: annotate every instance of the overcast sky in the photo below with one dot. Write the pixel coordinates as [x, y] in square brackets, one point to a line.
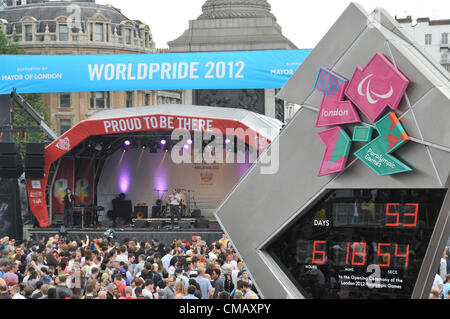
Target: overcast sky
[304, 22]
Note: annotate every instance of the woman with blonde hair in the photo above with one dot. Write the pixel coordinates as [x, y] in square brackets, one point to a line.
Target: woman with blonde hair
[180, 289]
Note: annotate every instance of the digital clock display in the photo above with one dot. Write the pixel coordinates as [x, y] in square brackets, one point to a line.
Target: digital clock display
[360, 243]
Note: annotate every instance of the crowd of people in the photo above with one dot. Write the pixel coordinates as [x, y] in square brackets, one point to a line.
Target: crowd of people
[103, 268]
[441, 283]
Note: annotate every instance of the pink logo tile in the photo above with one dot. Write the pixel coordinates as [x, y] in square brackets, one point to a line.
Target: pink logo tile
[376, 86]
[333, 109]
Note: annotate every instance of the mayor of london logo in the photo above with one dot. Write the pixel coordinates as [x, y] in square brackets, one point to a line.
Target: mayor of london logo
[372, 90]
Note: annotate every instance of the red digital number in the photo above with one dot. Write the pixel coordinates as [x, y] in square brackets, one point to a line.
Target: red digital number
[321, 252]
[348, 253]
[388, 213]
[388, 264]
[358, 253]
[405, 255]
[416, 210]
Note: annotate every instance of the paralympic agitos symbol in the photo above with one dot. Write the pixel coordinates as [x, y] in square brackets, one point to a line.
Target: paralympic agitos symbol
[371, 89]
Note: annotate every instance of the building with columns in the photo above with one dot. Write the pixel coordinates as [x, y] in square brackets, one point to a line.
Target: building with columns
[80, 27]
[235, 25]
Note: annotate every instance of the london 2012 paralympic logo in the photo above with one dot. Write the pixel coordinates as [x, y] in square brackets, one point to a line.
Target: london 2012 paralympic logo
[371, 89]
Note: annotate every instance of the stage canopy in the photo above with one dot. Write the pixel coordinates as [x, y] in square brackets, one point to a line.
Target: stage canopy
[255, 130]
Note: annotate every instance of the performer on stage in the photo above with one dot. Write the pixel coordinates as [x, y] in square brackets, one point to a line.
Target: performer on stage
[182, 203]
[174, 202]
[69, 202]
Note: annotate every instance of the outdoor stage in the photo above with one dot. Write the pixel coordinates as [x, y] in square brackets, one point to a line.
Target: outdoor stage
[141, 234]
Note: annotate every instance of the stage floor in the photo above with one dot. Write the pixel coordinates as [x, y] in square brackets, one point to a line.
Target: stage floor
[141, 234]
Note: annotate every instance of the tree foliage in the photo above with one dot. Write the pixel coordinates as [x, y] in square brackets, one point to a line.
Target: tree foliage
[35, 100]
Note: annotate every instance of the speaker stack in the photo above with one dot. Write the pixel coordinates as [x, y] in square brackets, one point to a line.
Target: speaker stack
[34, 160]
[10, 161]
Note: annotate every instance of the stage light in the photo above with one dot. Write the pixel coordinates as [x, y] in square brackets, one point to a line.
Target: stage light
[127, 143]
[189, 142]
[186, 146]
[163, 142]
[227, 141]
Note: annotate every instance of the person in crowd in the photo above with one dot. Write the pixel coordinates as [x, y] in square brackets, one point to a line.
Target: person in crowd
[438, 284]
[443, 266]
[180, 290]
[205, 283]
[190, 291]
[104, 268]
[218, 282]
[446, 288]
[69, 203]
[228, 280]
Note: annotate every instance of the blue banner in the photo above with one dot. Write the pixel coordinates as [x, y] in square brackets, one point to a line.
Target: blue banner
[169, 71]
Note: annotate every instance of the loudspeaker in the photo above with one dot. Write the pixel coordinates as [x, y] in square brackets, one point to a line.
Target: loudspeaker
[202, 223]
[123, 209]
[35, 148]
[184, 224]
[156, 211]
[9, 161]
[34, 161]
[33, 173]
[140, 224]
[140, 212]
[196, 213]
[11, 172]
[9, 148]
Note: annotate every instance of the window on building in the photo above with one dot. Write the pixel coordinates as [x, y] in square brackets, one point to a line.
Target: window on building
[28, 33]
[428, 39]
[63, 32]
[99, 100]
[129, 102]
[147, 99]
[128, 36]
[444, 58]
[64, 126]
[64, 100]
[444, 38]
[99, 32]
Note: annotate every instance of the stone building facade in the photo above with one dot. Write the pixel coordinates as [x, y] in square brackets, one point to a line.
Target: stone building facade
[235, 25]
[81, 27]
[432, 35]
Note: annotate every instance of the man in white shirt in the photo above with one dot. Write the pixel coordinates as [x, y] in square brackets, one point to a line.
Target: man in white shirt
[174, 203]
[438, 284]
[148, 290]
[15, 292]
[123, 255]
[167, 258]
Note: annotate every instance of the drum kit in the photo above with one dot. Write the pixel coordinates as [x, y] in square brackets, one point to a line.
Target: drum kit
[162, 206]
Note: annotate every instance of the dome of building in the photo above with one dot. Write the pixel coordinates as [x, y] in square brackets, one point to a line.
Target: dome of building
[225, 9]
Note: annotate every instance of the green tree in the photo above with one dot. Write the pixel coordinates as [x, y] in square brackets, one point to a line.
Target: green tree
[35, 100]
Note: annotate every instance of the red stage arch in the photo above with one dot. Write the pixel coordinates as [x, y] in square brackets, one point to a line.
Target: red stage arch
[141, 119]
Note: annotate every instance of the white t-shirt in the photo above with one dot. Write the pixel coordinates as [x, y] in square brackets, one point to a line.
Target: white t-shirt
[123, 258]
[174, 199]
[146, 293]
[437, 282]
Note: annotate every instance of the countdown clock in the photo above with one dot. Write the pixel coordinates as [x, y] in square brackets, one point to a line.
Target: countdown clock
[360, 243]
